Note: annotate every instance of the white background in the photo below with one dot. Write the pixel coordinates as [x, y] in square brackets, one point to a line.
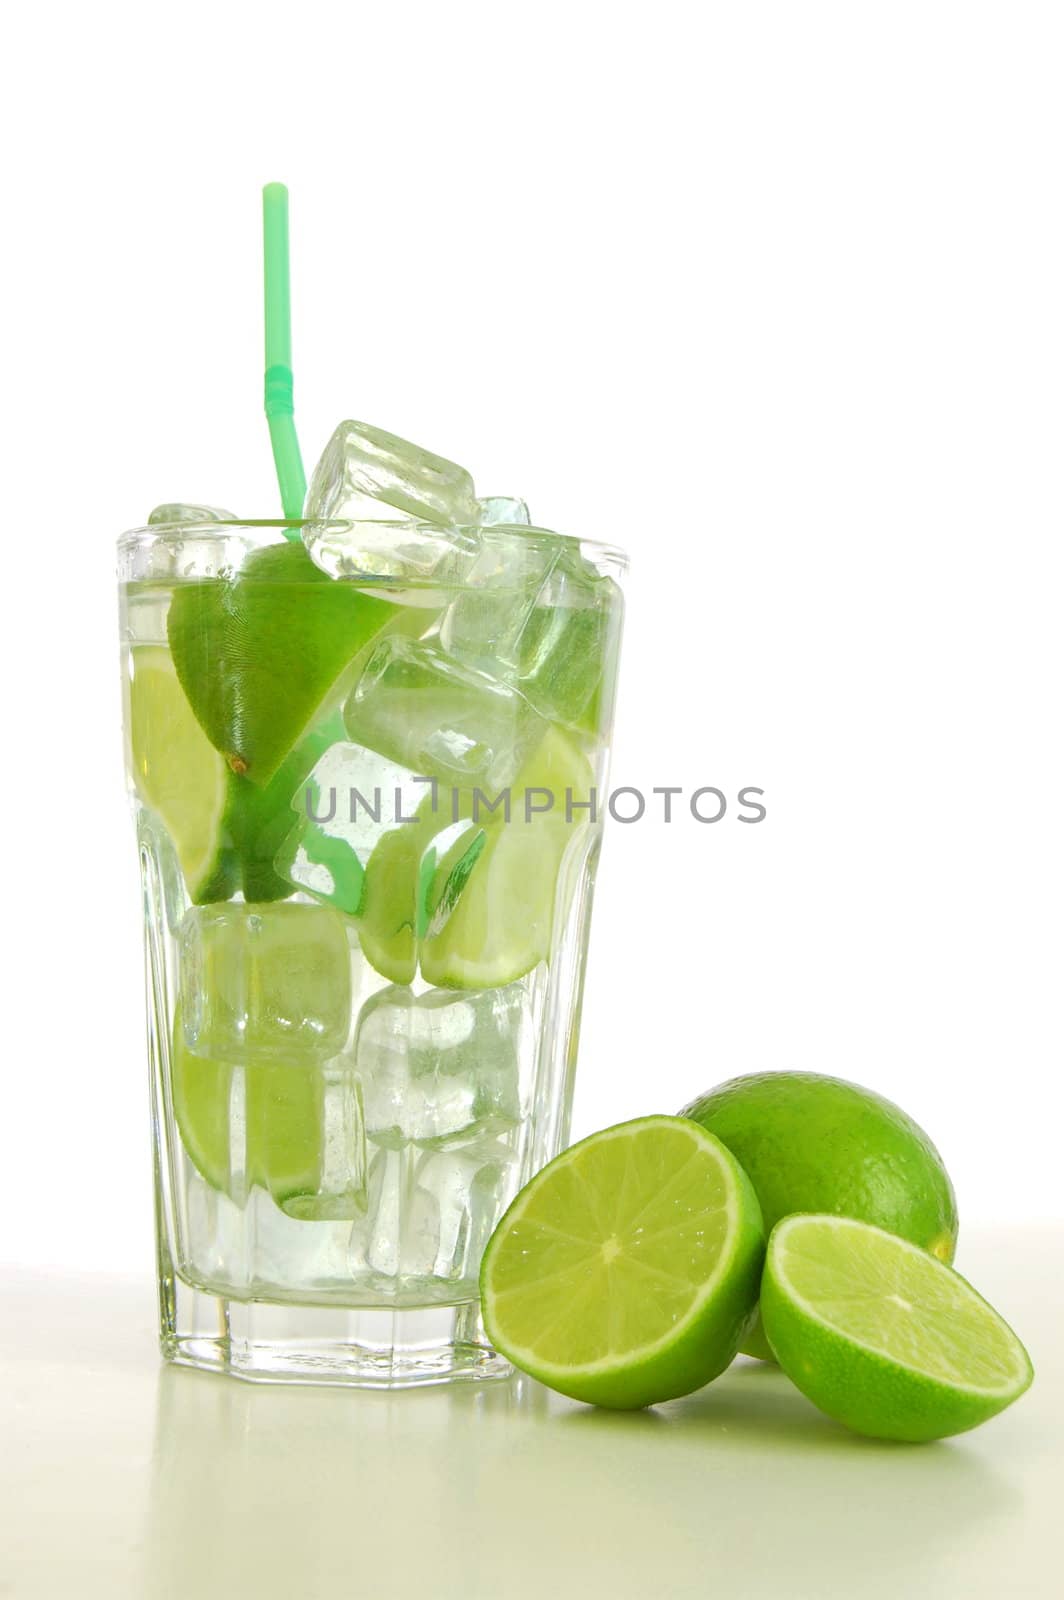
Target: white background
[770, 295]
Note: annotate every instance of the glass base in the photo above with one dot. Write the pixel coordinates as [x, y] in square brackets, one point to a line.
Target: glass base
[371, 1348]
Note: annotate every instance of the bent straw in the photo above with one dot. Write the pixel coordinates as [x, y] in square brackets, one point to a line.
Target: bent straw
[280, 411]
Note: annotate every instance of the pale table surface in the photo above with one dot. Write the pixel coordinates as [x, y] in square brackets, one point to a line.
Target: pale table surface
[120, 1477]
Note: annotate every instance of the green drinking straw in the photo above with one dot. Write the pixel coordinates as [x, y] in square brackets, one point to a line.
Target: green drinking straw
[280, 412]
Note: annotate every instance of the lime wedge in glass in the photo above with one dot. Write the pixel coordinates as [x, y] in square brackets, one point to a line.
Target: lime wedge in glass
[627, 1271]
[201, 1093]
[883, 1336]
[178, 773]
[489, 916]
[387, 924]
[258, 817]
[279, 1112]
[491, 898]
[466, 892]
[257, 654]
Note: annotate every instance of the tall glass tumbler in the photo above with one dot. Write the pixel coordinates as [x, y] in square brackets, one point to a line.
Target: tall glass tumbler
[369, 810]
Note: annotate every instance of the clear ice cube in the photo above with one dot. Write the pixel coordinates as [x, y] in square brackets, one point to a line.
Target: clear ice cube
[499, 510]
[414, 553]
[351, 798]
[534, 613]
[177, 511]
[483, 623]
[290, 1127]
[441, 1070]
[410, 514]
[265, 982]
[430, 1215]
[458, 1197]
[389, 1185]
[565, 649]
[440, 718]
[368, 474]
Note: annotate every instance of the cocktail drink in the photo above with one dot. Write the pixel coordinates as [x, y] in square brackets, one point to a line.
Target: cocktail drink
[367, 754]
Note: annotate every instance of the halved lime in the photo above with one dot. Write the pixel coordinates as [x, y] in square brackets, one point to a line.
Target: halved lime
[626, 1272]
[178, 773]
[881, 1335]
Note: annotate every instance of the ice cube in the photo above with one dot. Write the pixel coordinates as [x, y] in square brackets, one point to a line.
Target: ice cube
[341, 1188]
[368, 474]
[539, 617]
[458, 1197]
[291, 1127]
[565, 652]
[430, 1214]
[483, 622]
[443, 1069]
[265, 982]
[351, 798]
[176, 511]
[409, 513]
[498, 510]
[408, 553]
[377, 1237]
[440, 718]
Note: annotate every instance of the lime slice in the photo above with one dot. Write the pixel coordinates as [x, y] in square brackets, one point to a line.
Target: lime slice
[490, 925]
[178, 773]
[279, 1107]
[257, 654]
[495, 926]
[473, 899]
[881, 1335]
[200, 1089]
[626, 1272]
[388, 920]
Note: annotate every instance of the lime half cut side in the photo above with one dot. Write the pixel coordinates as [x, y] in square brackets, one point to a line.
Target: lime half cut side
[178, 773]
[626, 1272]
[881, 1335]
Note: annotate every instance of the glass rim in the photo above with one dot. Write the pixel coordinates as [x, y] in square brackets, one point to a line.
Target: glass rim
[136, 539]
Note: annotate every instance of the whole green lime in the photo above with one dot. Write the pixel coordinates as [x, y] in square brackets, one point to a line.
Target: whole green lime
[810, 1143]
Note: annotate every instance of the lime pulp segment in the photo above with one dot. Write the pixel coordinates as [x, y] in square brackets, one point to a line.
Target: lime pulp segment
[625, 1273]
